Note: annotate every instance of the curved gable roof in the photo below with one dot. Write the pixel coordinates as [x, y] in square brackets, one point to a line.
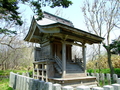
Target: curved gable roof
[61, 29]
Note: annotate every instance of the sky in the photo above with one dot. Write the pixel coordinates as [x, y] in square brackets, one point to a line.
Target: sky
[72, 13]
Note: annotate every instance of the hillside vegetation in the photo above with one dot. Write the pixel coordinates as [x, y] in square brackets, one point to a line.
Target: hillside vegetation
[101, 63]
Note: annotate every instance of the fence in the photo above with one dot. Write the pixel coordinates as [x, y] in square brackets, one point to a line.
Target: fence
[21, 82]
[104, 78]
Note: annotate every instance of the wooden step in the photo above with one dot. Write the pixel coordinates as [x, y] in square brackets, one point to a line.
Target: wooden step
[73, 68]
[72, 75]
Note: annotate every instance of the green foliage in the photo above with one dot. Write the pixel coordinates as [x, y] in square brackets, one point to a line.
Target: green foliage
[117, 71]
[57, 3]
[7, 32]
[9, 9]
[31, 73]
[9, 13]
[7, 72]
[116, 49]
[90, 71]
[4, 84]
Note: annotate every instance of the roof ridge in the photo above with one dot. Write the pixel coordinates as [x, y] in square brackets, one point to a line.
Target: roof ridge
[56, 18]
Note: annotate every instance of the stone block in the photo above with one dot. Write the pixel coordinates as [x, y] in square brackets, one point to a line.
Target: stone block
[118, 80]
[108, 87]
[31, 81]
[48, 86]
[83, 88]
[41, 85]
[97, 88]
[97, 77]
[67, 88]
[116, 86]
[109, 78]
[56, 87]
[35, 84]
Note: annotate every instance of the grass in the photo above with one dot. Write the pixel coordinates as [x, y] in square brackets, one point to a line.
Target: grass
[7, 72]
[4, 78]
[4, 84]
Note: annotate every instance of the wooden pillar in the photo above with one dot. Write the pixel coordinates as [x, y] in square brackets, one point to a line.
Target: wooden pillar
[64, 58]
[51, 50]
[42, 71]
[33, 70]
[84, 56]
[46, 71]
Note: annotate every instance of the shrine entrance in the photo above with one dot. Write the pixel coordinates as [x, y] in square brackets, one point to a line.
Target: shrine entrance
[57, 51]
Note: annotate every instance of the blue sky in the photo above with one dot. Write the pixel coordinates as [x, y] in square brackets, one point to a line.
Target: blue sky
[73, 13]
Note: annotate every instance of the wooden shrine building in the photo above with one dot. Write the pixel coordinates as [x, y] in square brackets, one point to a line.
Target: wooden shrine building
[53, 59]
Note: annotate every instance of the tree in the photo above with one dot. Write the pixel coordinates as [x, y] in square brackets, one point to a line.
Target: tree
[102, 17]
[14, 49]
[9, 10]
[116, 49]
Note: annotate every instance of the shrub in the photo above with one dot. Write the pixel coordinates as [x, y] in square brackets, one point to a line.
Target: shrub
[102, 62]
[117, 71]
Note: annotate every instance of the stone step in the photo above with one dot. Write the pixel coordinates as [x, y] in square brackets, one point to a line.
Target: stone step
[90, 84]
[76, 81]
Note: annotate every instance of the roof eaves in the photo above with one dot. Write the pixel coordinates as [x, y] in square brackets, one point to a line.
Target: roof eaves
[61, 25]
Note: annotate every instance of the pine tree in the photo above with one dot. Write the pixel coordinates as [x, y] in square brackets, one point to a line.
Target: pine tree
[8, 10]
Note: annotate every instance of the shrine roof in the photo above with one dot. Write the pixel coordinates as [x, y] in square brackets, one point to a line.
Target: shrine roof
[58, 28]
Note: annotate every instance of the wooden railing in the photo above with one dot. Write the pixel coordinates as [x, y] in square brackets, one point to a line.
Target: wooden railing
[59, 62]
[79, 61]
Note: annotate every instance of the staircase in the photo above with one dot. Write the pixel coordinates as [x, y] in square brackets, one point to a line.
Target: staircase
[75, 76]
[74, 70]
